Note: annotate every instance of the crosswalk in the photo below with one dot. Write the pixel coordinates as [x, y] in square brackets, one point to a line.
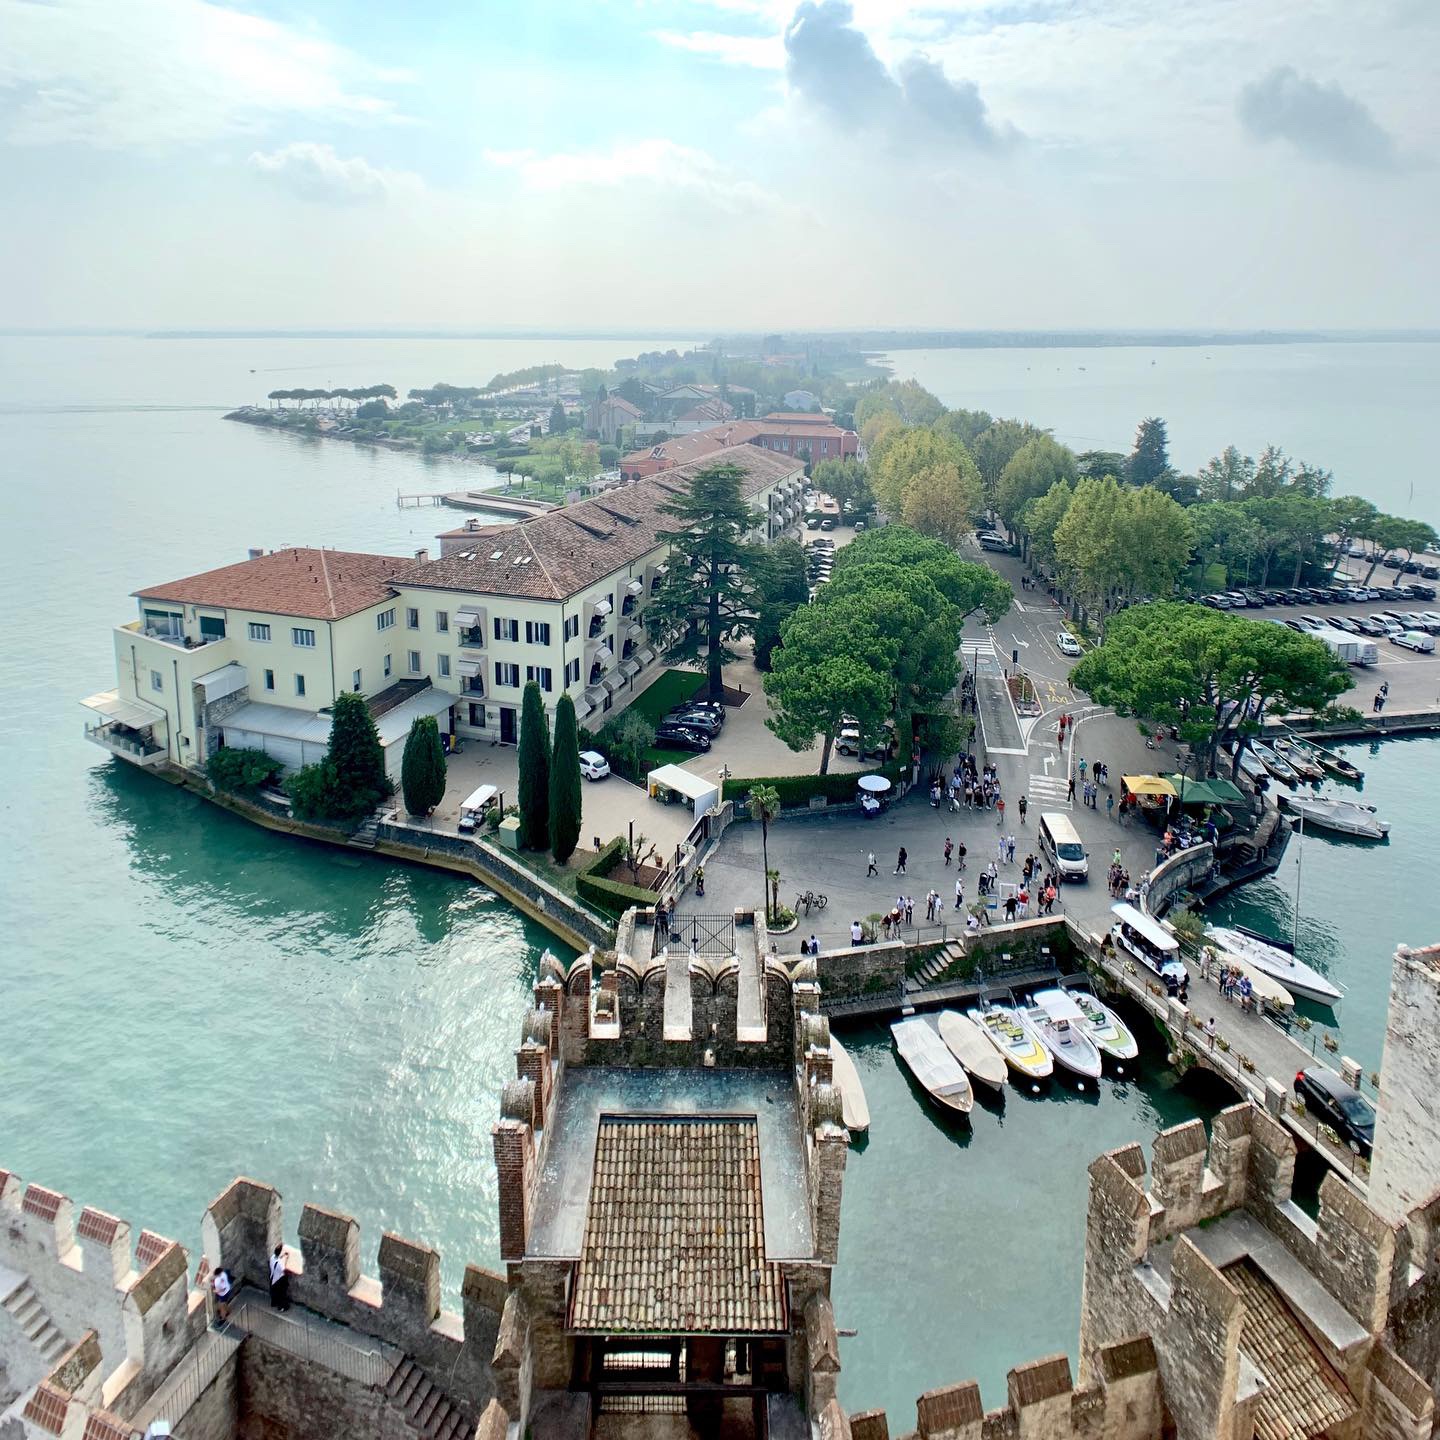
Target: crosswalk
[1048, 792]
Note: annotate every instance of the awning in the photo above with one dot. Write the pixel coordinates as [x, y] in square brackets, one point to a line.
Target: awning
[629, 668]
[645, 656]
[583, 707]
[661, 571]
[635, 586]
[468, 619]
[613, 682]
[635, 632]
[1147, 785]
[594, 694]
[603, 607]
[470, 667]
[604, 656]
[1206, 792]
[134, 713]
[217, 684]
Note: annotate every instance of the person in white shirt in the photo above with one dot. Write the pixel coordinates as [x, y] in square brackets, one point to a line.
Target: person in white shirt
[223, 1288]
[279, 1280]
[856, 933]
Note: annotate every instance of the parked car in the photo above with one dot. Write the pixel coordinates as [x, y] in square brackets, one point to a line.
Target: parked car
[827, 523]
[1218, 602]
[1312, 622]
[1343, 622]
[1067, 644]
[1276, 597]
[701, 720]
[681, 737]
[1339, 1105]
[1297, 625]
[1422, 592]
[1430, 572]
[593, 765]
[1366, 626]
[1416, 640]
[1387, 626]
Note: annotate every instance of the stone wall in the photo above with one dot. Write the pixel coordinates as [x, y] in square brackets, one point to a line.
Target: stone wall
[861, 970]
[284, 1397]
[216, 1414]
[1180, 872]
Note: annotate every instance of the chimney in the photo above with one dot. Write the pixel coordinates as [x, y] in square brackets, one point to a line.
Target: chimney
[422, 555]
[254, 554]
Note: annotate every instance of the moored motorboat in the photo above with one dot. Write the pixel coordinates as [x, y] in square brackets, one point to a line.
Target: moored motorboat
[853, 1109]
[1017, 1047]
[1297, 757]
[969, 1045]
[936, 1070]
[1112, 1036]
[1292, 972]
[1338, 765]
[1252, 768]
[1060, 1024]
[1277, 766]
[1344, 817]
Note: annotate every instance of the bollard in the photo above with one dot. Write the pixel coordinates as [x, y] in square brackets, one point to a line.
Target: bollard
[1351, 1071]
[1275, 1094]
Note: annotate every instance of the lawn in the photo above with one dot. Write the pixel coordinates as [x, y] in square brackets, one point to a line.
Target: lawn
[665, 693]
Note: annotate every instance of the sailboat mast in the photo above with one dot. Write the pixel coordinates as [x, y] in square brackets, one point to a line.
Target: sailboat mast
[1299, 868]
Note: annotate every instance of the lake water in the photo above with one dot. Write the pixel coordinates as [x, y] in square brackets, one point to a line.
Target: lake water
[184, 997]
[1363, 411]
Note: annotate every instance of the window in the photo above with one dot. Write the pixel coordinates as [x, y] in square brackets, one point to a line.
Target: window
[157, 680]
[540, 674]
[259, 631]
[356, 679]
[477, 716]
[303, 638]
[269, 679]
[442, 666]
[212, 627]
[572, 627]
[572, 671]
[412, 619]
[537, 632]
[387, 667]
[507, 629]
[506, 674]
[385, 619]
[299, 684]
[412, 659]
[442, 621]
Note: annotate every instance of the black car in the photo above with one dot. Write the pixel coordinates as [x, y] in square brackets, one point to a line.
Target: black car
[681, 737]
[711, 707]
[1276, 597]
[1430, 572]
[1422, 592]
[1339, 1105]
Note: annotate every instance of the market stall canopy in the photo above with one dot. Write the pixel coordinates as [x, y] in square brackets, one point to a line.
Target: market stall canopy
[1206, 792]
[703, 794]
[874, 784]
[1147, 785]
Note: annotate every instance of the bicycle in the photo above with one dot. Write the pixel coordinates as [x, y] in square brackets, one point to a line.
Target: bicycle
[811, 898]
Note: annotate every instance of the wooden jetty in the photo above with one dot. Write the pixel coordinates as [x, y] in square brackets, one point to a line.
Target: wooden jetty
[487, 500]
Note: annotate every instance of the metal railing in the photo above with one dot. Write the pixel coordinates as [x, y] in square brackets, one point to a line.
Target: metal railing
[356, 1358]
[186, 1383]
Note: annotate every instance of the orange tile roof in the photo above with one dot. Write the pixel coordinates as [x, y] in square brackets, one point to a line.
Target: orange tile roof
[313, 584]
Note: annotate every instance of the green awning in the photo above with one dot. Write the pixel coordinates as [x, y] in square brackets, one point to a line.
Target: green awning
[1206, 792]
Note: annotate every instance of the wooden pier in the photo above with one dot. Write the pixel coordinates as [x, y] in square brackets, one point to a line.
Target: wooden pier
[487, 500]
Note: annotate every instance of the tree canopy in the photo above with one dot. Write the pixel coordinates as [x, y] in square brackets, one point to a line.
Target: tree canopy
[566, 798]
[1030, 472]
[939, 501]
[422, 767]
[534, 760]
[1149, 461]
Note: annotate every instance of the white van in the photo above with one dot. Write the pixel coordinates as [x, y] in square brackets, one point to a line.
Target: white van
[1059, 840]
[1137, 934]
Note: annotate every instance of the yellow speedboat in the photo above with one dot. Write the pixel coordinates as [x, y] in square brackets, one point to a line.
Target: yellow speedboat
[1019, 1047]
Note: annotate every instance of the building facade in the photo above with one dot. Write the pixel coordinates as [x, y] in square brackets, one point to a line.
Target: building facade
[808, 438]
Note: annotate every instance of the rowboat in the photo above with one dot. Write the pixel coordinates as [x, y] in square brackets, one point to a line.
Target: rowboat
[1060, 1024]
[1345, 817]
[1279, 768]
[1299, 759]
[1020, 1050]
[1293, 973]
[969, 1046]
[1112, 1036]
[1338, 766]
[935, 1069]
[1252, 768]
[853, 1108]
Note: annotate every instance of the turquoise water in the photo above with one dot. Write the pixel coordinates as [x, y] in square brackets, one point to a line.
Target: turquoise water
[184, 997]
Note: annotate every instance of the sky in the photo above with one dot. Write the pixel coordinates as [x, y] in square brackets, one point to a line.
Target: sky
[708, 165]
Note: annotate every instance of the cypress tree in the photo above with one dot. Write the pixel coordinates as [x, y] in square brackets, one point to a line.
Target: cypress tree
[357, 755]
[565, 801]
[422, 771]
[534, 771]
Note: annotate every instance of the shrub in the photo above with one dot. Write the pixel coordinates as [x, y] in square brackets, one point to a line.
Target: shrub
[356, 756]
[242, 770]
[313, 791]
[611, 895]
[797, 790]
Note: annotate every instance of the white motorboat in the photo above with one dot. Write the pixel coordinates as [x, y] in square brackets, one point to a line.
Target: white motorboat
[1293, 973]
[853, 1108]
[1060, 1024]
[936, 1070]
[1112, 1036]
[1280, 768]
[969, 1045]
[1252, 768]
[1022, 1051]
[1345, 817]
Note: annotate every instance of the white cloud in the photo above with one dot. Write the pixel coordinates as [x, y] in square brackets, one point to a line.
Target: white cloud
[661, 162]
[170, 72]
[759, 52]
[316, 172]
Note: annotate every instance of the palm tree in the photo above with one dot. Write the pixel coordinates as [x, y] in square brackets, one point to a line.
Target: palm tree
[764, 803]
[773, 876]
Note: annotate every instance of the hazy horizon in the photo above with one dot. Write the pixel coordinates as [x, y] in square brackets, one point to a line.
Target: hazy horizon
[910, 164]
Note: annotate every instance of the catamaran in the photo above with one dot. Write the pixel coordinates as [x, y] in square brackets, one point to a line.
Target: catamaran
[936, 1070]
[1271, 959]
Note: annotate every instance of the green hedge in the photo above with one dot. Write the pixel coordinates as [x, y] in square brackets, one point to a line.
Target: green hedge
[611, 896]
[797, 790]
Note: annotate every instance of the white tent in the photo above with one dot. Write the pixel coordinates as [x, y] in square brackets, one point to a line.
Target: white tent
[703, 794]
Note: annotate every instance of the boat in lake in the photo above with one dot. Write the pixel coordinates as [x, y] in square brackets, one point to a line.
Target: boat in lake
[1278, 767]
[1112, 1036]
[970, 1047]
[1254, 770]
[1344, 817]
[1338, 765]
[853, 1108]
[936, 1070]
[1278, 963]
[1022, 1051]
[1060, 1023]
[1299, 758]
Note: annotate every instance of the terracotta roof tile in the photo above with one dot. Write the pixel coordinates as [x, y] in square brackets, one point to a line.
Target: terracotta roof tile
[97, 1225]
[149, 1248]
[674, 1234]
[311, 584]
[42, 1203]
[47, 1407]
[102, 1425]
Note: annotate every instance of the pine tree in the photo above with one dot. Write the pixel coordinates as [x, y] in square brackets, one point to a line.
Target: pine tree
[1150, 460]
[422, 770]
[565, 801]
[357, 755]
[534, 771]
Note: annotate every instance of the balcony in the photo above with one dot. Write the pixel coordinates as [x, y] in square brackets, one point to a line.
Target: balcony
[177, 638]
[470, 626]
[136, 746]
[471, 639]
[472, 679]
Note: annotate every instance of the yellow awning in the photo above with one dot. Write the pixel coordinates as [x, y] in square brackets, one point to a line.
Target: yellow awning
[1147, 785]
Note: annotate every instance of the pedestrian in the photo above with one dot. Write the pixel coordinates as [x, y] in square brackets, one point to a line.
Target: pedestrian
[814, 946]
[279, 1280]
[960, 855]
[959, 894]
[1000, 811]
[1378, 701]
[1183, 993]
[1023, 805]
[909, 909]
[1109, 807]
[1000, 849]
[900, 861]
[1010, 907]
[1024, 899]
[1210, 1031]
[870, 865]
[857, 935]
[222, 1285]
[949, 849]
[1385, 689]
[1070, 791]
[1009, 849]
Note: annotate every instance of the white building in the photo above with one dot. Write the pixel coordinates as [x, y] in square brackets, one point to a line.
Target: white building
[254, 654]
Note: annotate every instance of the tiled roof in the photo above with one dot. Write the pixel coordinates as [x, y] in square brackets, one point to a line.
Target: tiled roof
[97, 1225]
[560, 553]
[40, 1202]
[311, 584]
[149, 1248]
[674, 1234]
[1303, 1396]
[47, 1408]
[102, 1425]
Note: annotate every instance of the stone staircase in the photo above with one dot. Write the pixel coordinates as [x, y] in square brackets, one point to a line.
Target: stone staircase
[364, 837]
[430, 1412]
[938, 964]
[30, 1315]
